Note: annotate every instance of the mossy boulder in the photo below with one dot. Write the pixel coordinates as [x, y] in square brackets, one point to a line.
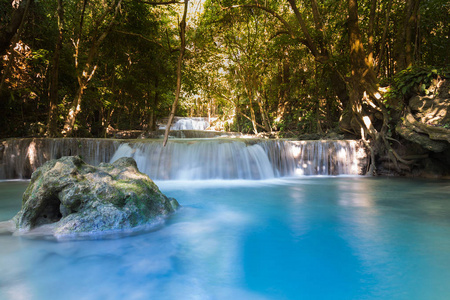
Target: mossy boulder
[77, 198]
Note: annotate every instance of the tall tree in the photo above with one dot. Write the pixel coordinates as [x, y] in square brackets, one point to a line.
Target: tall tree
[179, 71]
[86, 70]
[16, 11]
[52, 126]
[11, 35]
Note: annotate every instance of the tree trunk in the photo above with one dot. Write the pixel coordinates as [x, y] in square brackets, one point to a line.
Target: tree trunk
[309, 41]
[284, 86]
[319, 27]
[179, 66]
[75, 109]
[52, 125]
[339, 85]
[238, 112]
[263, 115]
[11, 37]
[363, 88]
[383, 40]
[404, 40]
[371, 29]
[362, 79]
[8, 31]
[154, 106]
[87, 72]
[410, 29]
[317, 99]
[252, 115]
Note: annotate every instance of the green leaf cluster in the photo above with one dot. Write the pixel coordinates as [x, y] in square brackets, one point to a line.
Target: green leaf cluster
[415, 79]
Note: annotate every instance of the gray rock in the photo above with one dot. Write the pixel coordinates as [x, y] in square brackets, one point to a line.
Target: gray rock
[77, 198]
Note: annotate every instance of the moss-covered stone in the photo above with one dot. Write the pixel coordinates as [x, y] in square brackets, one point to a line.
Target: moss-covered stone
[79, 198]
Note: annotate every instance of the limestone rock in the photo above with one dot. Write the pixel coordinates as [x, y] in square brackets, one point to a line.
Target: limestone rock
[427, 119]
[77, 198]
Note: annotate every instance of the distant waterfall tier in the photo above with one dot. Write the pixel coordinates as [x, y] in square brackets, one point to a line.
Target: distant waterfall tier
[192, 123]
[243, 159]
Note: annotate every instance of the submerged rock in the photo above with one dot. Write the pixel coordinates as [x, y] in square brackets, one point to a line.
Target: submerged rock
[77, 198]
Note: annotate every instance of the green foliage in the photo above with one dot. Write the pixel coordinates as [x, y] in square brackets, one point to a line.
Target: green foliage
[416, 79]
[235, 56]
[434, 32]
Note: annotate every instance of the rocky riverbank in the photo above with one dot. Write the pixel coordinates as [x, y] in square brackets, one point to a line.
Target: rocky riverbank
[424, 135]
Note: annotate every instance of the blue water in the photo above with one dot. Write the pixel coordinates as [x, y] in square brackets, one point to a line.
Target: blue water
[310, 238]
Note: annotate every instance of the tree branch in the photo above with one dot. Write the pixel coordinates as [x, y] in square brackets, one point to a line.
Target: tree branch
[268, 10]
[248, 118]
[140, 36]
[179, 72]
[160, 3]
[310, 43]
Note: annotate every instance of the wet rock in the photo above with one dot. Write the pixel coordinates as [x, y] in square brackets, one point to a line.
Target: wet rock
[77, 198]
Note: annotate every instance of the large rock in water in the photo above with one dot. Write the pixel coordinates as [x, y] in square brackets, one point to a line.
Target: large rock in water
[77, 198]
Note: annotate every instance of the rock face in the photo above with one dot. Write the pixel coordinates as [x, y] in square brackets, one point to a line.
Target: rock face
[77, 198]
[427, 119]
[425, 124]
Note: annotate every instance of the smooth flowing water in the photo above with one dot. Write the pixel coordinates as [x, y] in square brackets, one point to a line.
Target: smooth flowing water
[192, 123]
[299, 238]
[193, 159]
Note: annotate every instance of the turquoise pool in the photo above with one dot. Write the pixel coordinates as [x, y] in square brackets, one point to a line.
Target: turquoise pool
[299, 238]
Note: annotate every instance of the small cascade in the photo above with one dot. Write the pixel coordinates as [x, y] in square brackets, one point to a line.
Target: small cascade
[334, 157]
[193, 123]
[20, 157]
[197, 134]
[326, 157]
[200, 159]
[243, 159]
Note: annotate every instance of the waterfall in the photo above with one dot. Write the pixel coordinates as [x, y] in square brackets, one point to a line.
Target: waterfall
[20, 157]
[243, 159]
[340, 157]
[201, 159]
[193, 159]
[193, 123]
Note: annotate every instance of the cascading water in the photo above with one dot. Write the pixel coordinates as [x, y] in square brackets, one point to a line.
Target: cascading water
[202, 159]
[193, 159]
[324, 157]
[193, 123]
[243, 159]
[20, 157]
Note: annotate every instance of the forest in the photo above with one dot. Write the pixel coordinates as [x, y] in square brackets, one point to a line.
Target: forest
[296, 68]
